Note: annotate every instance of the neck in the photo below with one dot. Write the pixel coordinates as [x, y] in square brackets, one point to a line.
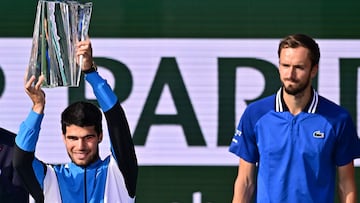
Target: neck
[296, 103]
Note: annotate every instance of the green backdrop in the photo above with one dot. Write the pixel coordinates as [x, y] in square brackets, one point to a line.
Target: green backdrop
[202, 19]
[331, 19]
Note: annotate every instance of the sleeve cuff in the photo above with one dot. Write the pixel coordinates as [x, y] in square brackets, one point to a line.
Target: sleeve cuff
[29, 132]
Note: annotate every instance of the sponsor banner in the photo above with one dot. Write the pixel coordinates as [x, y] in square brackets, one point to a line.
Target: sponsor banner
[183, 97]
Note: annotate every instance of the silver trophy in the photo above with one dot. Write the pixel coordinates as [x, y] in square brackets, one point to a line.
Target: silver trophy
[59, 25]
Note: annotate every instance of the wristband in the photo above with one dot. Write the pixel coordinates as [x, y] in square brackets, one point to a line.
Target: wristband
[93, 68]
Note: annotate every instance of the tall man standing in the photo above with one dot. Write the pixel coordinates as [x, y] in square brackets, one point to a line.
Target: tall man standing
[292, 144]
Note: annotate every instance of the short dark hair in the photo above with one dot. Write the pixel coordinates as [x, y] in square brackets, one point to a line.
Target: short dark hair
[297, 40]
[82, 114]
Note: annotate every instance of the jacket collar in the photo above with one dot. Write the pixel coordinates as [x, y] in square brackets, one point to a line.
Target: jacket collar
[311, 107]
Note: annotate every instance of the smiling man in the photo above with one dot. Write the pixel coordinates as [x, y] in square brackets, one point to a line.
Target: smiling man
[87, 178]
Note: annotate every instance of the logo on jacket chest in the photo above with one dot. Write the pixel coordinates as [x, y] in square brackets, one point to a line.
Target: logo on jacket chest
[318, 134]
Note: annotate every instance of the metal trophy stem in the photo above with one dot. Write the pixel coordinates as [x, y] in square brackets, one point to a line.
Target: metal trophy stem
[58, 27]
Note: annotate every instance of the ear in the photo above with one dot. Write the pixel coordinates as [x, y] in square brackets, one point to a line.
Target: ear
[314, 70]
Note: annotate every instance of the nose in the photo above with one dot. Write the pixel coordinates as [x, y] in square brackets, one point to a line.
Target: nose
[291, 73]
[81, 144]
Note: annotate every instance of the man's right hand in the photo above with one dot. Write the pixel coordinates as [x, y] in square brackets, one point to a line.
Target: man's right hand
[36, 94]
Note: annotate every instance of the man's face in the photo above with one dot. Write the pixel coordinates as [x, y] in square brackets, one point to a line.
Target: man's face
[82, 144]
[295, 70]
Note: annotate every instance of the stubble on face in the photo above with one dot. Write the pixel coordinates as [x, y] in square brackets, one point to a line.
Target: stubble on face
[295, 70]
[82, 144]
[296, 90]
[86, 161]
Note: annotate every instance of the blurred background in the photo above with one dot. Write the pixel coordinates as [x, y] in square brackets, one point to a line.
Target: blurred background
[129, 35]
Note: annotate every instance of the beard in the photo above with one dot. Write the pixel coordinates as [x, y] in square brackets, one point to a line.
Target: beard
[296, 90]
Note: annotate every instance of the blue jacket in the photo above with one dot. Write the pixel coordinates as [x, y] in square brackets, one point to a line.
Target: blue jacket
[297, 155]
[103, 181]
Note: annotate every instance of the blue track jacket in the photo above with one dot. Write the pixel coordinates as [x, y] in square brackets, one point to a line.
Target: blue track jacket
[110, 180]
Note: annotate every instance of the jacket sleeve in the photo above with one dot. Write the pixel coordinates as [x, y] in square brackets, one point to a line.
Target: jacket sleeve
[29, 169]
[122, 146]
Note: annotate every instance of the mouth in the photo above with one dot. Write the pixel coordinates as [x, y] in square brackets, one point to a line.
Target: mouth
[290, 83]
[80, 155]
[291, 80]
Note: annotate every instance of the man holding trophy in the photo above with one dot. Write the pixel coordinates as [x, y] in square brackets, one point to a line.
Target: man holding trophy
[61, 50]
[86, 178]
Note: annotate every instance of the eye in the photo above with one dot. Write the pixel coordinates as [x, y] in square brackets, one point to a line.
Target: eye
[285, 65]
[72, 138]
[89, 137]
[300, 67]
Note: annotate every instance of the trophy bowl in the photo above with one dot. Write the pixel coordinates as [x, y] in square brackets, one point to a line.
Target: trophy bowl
[58, 27]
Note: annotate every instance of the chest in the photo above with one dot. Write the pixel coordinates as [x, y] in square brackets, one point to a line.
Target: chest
[305, 135]
[82, 185]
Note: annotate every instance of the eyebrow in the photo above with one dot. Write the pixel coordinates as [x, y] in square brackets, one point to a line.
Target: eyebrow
[78, 137]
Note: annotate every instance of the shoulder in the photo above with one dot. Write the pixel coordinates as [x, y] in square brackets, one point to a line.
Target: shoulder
[329, 108]
[332, 111]
[262, 106]
[257, 109]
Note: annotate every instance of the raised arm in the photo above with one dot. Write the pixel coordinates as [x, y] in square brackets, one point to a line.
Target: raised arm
[122, 146]
[24, 159]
